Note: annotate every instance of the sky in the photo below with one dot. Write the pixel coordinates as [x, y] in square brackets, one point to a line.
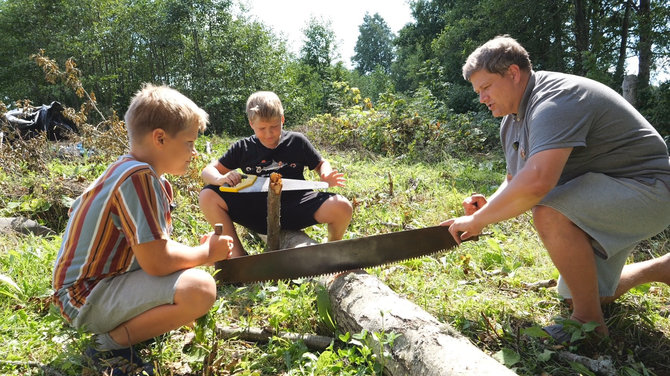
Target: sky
[290, 17]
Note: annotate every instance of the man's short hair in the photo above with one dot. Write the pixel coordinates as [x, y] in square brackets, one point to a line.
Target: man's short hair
[162, 107]
[496, 56]
[264, 105]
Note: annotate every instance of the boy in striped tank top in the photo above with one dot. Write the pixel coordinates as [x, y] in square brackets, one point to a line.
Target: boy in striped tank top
[118, 274]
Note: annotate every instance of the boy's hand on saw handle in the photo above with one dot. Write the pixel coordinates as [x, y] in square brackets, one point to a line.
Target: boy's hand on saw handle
[473, 203]
[219, 244]
[231, 178]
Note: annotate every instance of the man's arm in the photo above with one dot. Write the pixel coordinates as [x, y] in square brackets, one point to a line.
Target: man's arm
[525, 190]
[162, 257]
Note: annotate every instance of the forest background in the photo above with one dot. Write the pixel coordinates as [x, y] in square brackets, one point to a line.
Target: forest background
[217, 55]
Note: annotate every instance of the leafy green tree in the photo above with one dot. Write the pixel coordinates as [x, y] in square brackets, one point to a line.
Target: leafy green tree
[372, 85]
[319, 47]
[316, 55]
[413, 43]
[374, 46]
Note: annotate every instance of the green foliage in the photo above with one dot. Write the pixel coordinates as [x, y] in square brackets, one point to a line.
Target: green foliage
[318, 50]
[374, 48]
[419, 128]
[657, 109]
[372, 85]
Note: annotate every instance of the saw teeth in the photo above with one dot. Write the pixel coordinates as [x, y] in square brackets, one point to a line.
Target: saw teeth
[385, 265]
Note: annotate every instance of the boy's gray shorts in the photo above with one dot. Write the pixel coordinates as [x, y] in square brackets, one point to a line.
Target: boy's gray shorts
[116, 300]
[617, 213]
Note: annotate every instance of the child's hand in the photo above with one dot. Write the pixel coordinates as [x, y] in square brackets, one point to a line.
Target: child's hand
[473, 203]
[334, 179]
[219, 245]
[231, 178]
[222, 245]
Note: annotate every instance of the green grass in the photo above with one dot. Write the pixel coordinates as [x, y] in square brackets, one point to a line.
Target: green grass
[479, 288]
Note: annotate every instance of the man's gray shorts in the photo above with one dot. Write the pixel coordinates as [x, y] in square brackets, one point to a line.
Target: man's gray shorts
[116, 300]
[617, 213]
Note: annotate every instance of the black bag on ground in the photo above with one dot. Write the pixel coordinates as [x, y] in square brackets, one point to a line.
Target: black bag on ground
[47, 118]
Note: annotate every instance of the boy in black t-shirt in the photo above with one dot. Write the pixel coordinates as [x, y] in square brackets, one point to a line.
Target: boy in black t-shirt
[272, 149]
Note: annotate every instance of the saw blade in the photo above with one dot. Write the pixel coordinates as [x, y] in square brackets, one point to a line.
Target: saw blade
[337, 256]
[253, 183]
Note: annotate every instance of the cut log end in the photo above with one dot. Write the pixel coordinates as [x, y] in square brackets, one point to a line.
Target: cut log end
[276, 183]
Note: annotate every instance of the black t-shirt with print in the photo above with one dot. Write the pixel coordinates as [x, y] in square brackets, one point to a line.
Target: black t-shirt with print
[293, 153]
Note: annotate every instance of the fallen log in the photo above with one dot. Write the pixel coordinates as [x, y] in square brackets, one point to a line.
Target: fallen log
[423, 346]
[24, 226]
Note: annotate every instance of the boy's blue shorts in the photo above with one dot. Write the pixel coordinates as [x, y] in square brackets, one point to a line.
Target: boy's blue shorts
[251, 209]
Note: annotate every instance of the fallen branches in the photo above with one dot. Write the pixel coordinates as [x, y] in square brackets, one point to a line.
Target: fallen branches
[312, 341]
[602, 366]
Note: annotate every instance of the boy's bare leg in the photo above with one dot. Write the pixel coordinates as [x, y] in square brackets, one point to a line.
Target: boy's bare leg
[216, 211]
[571, 252]
[654, 270]
[194, 296]
[336, 212]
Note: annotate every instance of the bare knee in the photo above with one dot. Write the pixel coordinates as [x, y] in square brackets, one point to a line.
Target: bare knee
[212, 205]
[196, 291]
[337, 209]
[208, 197]
[548, 220]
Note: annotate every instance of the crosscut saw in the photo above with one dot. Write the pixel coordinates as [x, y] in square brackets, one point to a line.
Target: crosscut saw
[253, 183]
[337, 256]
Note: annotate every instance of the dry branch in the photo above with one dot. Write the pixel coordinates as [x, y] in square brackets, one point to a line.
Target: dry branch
[312, 341]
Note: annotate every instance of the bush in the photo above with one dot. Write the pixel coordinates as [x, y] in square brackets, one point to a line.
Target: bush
[420, 127]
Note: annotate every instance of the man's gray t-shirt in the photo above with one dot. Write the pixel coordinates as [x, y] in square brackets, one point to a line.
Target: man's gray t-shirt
[608, 135]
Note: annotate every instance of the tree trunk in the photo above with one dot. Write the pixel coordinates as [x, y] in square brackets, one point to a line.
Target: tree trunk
[424, 346]
[644, 49]
[581, 36]
[623, 47]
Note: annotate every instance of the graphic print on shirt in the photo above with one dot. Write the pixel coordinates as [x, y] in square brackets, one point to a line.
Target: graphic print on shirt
[267, 167]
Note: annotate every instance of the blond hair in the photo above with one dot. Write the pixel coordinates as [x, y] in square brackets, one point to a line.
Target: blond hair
[264, 105]
[162, 107]
[496, 56]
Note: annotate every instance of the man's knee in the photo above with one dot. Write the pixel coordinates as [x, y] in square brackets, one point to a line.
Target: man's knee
[547, 219]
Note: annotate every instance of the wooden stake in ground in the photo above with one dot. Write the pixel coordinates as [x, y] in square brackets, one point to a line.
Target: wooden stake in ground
[274, 207]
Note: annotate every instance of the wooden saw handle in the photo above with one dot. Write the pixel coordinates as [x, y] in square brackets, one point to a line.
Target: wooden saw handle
[218, 229]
